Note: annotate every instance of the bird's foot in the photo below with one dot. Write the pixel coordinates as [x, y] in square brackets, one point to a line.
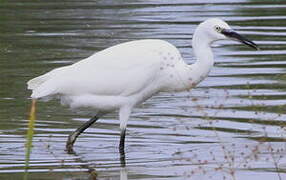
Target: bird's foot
[69, 145]
[70, 141]
[69, 148]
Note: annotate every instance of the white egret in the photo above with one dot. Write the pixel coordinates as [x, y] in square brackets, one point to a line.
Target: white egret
[125, 75]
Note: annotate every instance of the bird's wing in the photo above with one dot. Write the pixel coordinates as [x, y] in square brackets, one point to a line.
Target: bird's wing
[124, 70]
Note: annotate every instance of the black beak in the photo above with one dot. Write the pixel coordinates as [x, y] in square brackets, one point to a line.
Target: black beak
[234, 35]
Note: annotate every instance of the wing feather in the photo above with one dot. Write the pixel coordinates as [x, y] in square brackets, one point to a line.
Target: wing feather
[123, 70]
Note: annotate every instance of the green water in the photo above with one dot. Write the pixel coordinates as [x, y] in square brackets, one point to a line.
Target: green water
[232, 125]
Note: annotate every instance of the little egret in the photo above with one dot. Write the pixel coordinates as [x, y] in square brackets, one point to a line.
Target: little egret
[125, 75]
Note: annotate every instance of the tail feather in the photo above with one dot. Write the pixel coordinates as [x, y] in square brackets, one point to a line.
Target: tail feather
[36, 82]
[42, 86]
[44, 90]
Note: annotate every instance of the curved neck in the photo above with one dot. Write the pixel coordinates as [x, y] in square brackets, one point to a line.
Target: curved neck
[191, 75]
[203, 53]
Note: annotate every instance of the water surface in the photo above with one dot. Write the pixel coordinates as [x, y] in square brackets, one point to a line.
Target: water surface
[231, 126]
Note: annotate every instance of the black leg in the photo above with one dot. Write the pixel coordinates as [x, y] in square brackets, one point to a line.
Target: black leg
[121, 147]
[122, 160]
[72, 137]
[122, 142]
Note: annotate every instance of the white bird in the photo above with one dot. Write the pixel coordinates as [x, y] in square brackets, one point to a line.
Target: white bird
[125, 75]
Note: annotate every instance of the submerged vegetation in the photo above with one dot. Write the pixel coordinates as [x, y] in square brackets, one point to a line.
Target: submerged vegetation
[232, 126]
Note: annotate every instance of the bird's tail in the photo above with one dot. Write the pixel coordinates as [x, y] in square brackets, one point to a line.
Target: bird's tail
[36, 82]
[43, 85]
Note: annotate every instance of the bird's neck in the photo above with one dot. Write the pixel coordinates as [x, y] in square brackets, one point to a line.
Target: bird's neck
[203, 54]
[191, 75]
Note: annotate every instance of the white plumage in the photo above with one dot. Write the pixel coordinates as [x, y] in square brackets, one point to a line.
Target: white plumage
[127, 74]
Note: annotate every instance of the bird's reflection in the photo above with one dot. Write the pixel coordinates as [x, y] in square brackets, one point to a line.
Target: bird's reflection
[92, 171]
[123, 173]
[123, 169]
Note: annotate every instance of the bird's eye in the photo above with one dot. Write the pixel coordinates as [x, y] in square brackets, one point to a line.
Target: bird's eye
[218, 29]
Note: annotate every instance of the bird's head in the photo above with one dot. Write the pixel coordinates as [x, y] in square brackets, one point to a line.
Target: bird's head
[216, 29]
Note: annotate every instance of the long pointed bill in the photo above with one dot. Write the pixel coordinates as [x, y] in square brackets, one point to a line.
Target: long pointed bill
[234, 35]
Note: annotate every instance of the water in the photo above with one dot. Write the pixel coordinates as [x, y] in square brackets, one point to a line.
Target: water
[231, 126]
